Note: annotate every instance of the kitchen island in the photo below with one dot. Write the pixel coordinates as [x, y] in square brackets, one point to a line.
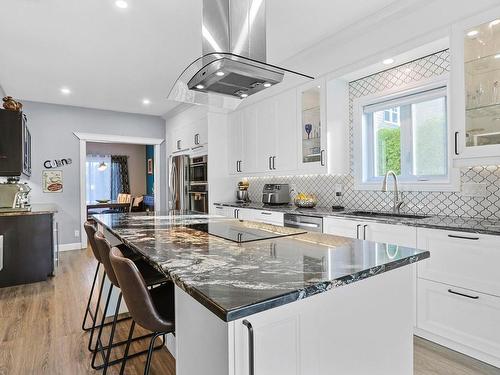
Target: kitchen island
[259, 299]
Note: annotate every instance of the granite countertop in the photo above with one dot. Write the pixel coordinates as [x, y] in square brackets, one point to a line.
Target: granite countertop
[35, 209]
[235, 280]
[461, 224]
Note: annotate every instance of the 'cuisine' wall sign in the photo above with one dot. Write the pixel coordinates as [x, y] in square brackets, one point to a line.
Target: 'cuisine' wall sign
[57, 163]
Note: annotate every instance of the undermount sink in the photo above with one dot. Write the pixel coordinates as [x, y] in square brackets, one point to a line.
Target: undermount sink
[386, 214]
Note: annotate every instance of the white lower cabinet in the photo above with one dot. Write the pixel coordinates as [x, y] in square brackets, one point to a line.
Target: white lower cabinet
[366, 230]
[461, 319]
[467, 260]
[262, 216]
[458, 291]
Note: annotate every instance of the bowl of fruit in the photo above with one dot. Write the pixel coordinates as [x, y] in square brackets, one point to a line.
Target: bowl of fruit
[304, 200]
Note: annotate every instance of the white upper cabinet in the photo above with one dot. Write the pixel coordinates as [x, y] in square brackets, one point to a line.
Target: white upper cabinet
[475, 52]
[311, 112]
[287, 133]
[235, 142]
[285, 152]
[188, 136]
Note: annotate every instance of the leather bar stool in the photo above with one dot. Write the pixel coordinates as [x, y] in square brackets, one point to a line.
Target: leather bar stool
[152, 309]
[152, 277]
[90, 229]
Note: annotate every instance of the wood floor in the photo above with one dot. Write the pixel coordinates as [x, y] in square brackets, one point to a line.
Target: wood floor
[40, 331]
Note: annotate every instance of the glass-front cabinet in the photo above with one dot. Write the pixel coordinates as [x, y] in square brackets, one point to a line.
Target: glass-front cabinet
[312, 126]
[475, 54]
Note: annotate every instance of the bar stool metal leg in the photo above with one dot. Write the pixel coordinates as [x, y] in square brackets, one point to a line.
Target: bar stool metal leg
[125, 355]
[88, 309]
[150, 352]
[99, 334]
[111, 336]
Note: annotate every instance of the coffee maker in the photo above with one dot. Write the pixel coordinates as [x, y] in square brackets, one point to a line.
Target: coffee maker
[14, 196]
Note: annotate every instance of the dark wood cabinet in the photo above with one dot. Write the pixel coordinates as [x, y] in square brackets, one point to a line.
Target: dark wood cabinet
[15, 144]
[26, 249]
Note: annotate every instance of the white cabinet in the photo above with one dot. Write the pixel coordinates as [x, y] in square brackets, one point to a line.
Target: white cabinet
[311, 114]
[262, 136]
[460, 319]
[458, 287]
[371, 231]
[467, 260]
[262, 216]
[189, 137]
[242, 141]
[235, 142]
[475, 100]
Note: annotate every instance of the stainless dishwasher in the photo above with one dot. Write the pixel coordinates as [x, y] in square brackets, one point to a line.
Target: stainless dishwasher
[308, 223]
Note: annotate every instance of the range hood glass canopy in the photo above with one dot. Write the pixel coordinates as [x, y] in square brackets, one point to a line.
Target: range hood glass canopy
[221, 79]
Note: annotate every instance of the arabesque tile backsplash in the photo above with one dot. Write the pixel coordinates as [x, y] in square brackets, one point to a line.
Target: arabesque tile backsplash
[417, 202]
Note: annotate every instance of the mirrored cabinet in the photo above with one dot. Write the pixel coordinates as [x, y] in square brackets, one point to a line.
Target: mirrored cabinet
[312, 126]
[476, 74]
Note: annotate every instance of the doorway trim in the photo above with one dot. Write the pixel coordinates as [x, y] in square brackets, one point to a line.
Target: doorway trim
[114, 138]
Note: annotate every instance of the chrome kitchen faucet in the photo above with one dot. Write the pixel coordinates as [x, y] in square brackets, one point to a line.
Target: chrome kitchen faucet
[397, 202]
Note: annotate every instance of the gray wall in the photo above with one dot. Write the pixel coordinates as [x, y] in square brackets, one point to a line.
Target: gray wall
[136, 161]
[52, 128]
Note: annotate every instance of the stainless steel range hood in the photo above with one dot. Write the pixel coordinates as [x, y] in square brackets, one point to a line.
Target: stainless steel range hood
[233, 65]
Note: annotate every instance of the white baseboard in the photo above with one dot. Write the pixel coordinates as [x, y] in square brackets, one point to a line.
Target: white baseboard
[70, 246]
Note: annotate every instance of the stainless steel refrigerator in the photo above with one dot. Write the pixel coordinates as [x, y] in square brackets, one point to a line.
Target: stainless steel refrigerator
[179, 182]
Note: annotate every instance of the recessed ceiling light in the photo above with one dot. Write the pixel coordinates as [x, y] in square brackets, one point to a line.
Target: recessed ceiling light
[122, 4]
[472, 33]
[497, 56]
[494, 22]
[267, 84]
[387, 61]
[244, 95]
[146, 101]
[65, 91]
[200, 87]
[220, 73]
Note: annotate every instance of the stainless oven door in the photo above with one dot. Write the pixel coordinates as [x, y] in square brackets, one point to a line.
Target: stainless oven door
[198, 172]
[198, 201]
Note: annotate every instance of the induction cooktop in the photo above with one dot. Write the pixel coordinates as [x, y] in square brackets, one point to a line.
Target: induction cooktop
[239, 233]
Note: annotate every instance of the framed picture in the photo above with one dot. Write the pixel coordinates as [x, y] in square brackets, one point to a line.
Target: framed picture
[52, 181]
[150, 166]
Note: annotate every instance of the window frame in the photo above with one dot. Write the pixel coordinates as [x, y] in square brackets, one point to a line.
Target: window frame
[363, 147]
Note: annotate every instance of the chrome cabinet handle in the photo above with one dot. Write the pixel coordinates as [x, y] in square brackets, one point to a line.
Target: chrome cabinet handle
[240, 166]
[251, 364]
[456, 143]
[265, 213]
[462, 294]
[1, 252]
[178, 144]
[322, 158]
[364, 231]
[463, 237]
[274, 162]
[237, 165]
[270, 165]
[357, 231]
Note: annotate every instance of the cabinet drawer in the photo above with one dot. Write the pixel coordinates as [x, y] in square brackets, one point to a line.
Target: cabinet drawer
[471, 319]
[340, 227]
[467, 260]
[269, 217]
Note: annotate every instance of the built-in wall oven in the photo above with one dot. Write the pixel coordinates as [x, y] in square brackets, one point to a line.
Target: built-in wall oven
[198, 198]
[198, 169]
[198, 185]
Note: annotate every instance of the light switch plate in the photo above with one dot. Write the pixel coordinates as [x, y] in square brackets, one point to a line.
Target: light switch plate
[474, 189]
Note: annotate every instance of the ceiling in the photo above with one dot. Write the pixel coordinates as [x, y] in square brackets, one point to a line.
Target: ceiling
[113, 58]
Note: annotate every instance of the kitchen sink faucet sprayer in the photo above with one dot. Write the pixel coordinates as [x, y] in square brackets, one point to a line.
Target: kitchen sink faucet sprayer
[397, 202]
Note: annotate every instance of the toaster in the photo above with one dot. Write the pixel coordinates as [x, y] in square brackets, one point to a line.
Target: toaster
[276, 194]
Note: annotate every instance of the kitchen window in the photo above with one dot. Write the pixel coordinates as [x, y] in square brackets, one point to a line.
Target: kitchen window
[405, 132]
